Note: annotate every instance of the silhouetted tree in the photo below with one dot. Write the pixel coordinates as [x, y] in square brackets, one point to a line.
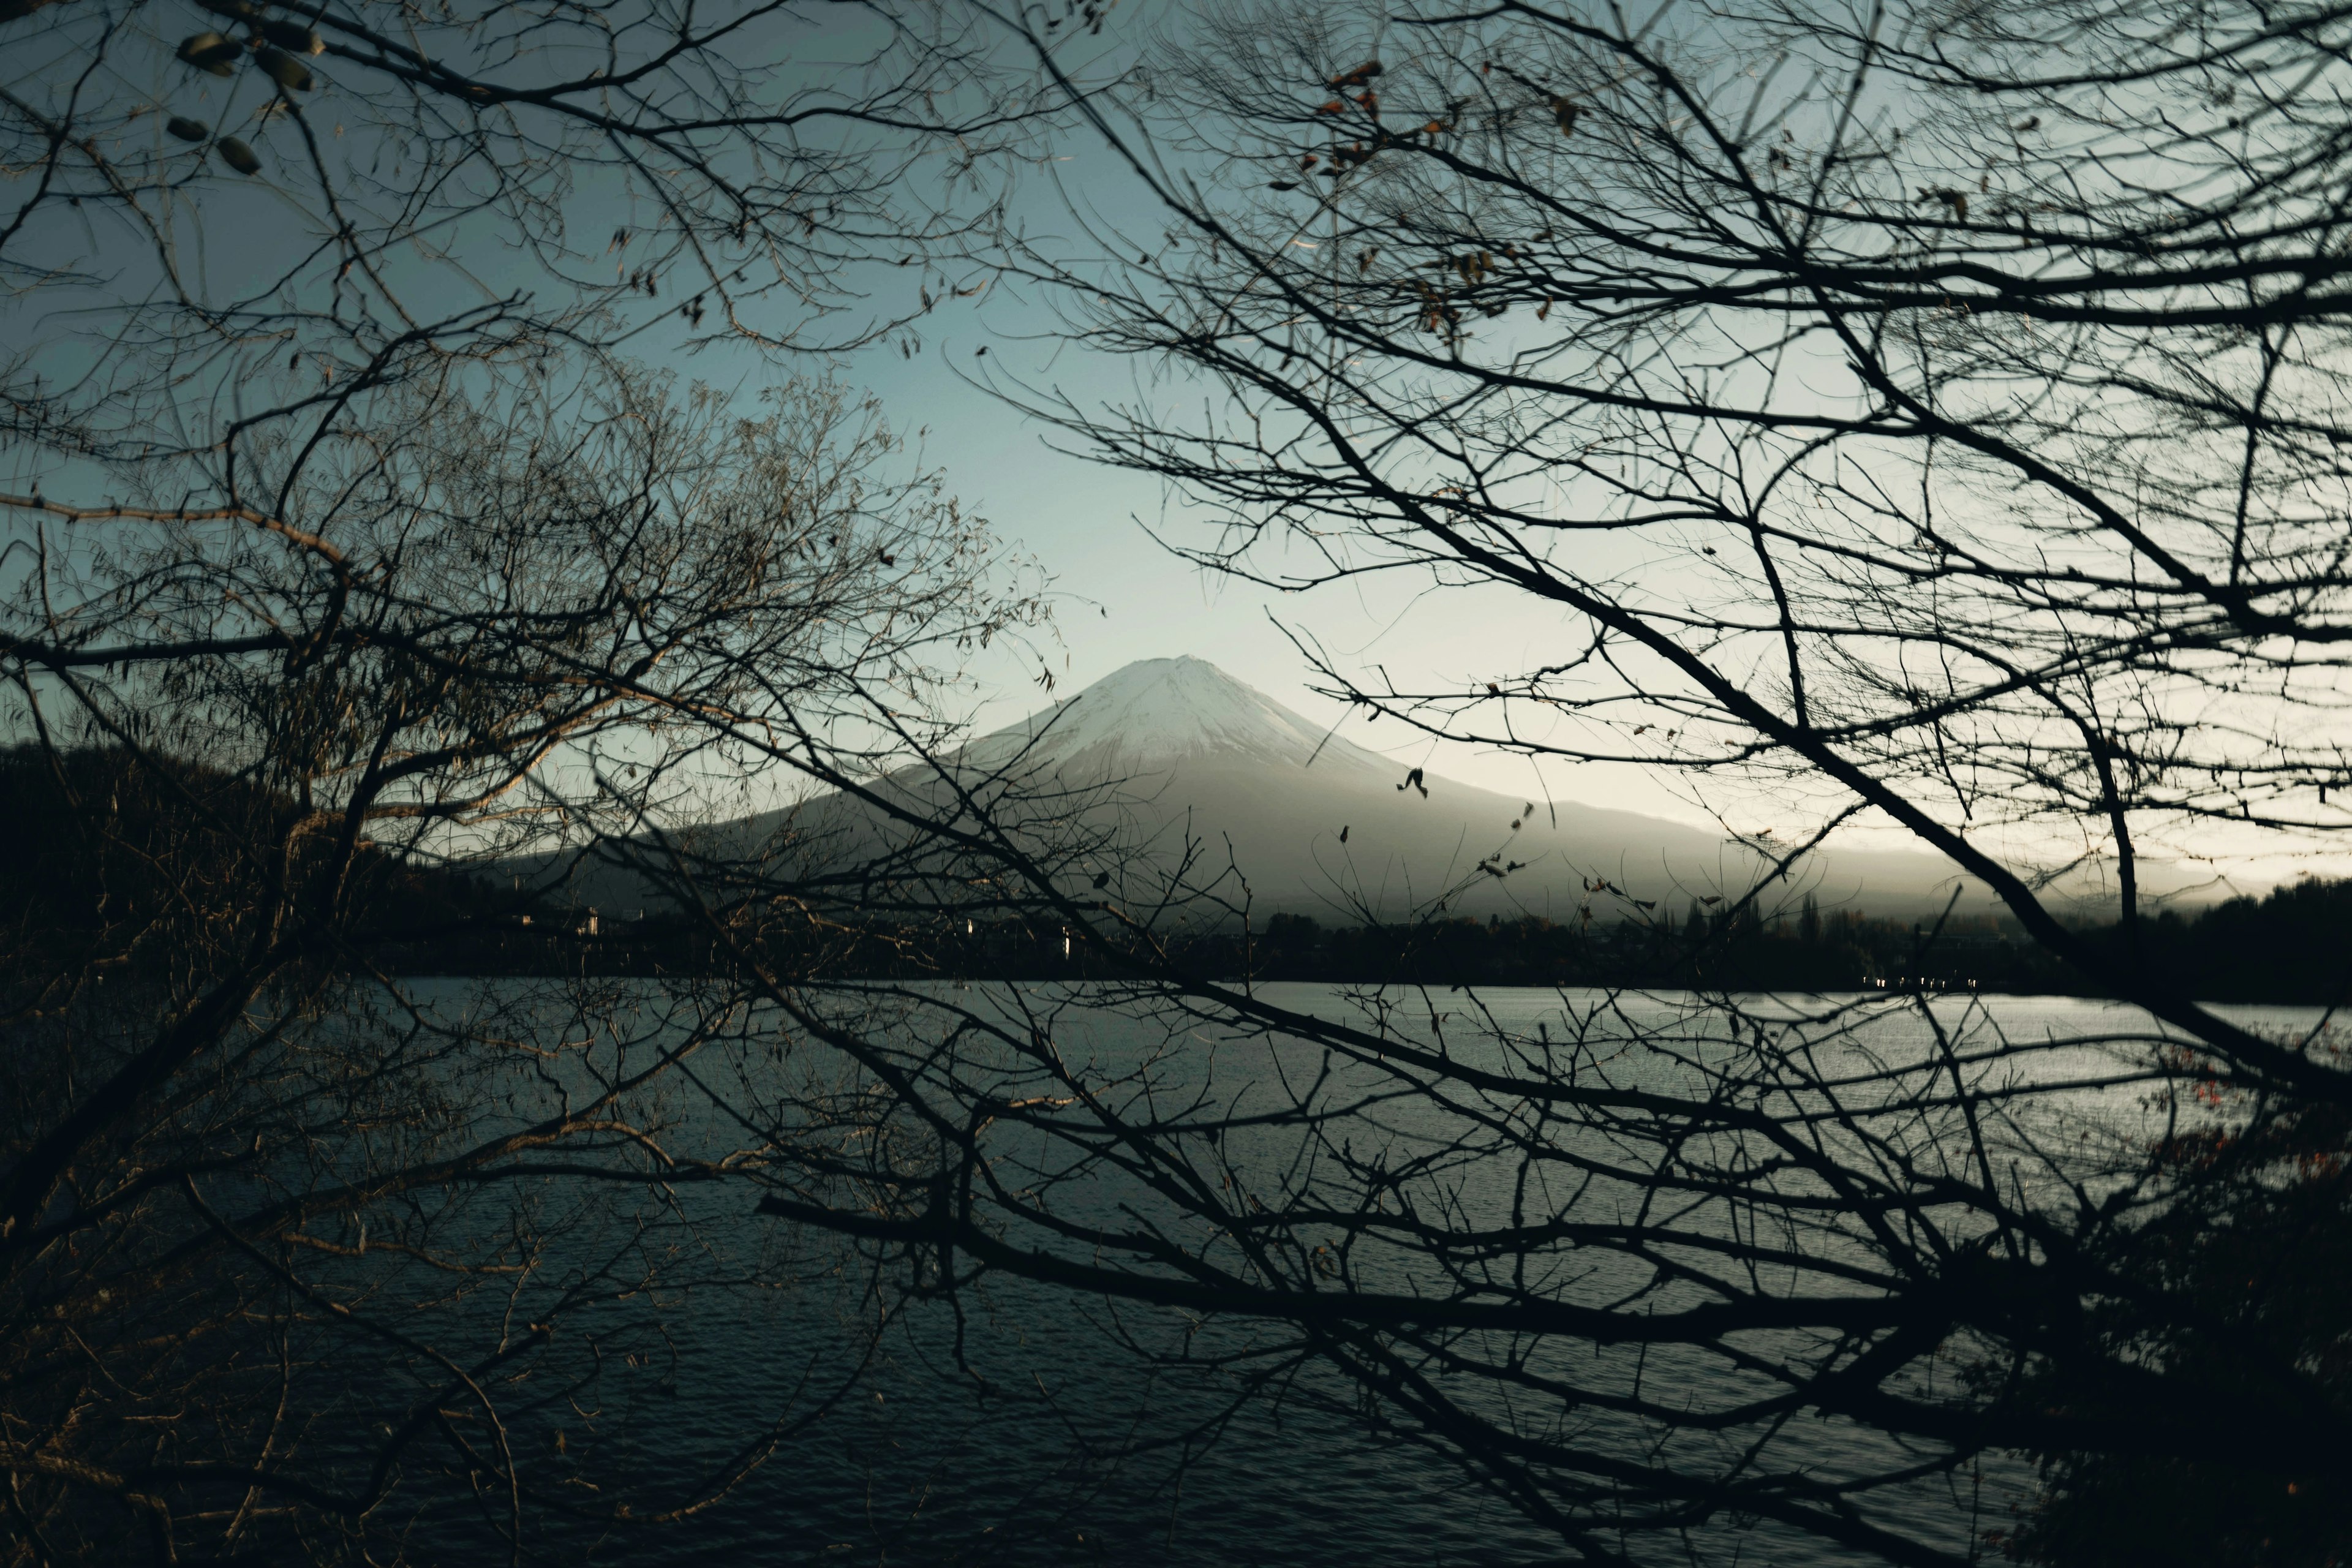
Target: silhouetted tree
[352, 585]
[1969, 384]
[258, 1186]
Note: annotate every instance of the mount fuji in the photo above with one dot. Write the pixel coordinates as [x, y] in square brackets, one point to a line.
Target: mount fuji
[1161, 713]
[1319, 825]
[1171, 749]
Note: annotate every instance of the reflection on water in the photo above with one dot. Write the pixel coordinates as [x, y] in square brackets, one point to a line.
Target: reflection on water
[1036, 1427]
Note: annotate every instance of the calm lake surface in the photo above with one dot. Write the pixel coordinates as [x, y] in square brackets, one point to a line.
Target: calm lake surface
[1075, 1449]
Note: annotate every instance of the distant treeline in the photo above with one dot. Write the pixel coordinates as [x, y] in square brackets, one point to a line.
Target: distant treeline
[2293, 945]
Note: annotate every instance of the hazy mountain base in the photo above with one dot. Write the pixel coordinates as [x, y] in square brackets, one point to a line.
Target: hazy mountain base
[1171, 763]
[1269, 837]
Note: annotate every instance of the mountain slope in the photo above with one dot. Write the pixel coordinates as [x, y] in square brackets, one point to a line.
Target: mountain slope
[1198, 752]
[1174, 750]
[1158, 713]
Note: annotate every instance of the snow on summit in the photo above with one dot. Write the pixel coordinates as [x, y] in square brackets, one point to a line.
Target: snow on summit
[1158, 711]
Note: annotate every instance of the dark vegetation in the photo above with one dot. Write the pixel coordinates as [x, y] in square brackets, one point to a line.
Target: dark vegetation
[115, 866]
[2291, 945]
[2256, 1246]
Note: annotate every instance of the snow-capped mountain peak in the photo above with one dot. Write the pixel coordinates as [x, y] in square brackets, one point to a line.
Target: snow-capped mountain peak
[1159, 712]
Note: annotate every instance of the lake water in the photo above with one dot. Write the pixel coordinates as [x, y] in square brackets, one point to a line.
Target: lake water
[1058, 1440]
